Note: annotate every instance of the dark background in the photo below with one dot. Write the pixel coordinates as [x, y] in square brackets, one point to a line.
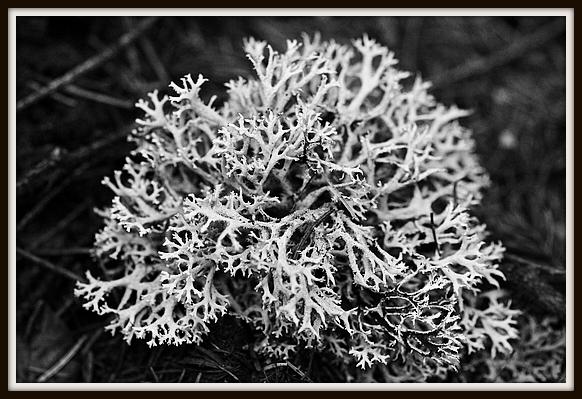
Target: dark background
[509, 71]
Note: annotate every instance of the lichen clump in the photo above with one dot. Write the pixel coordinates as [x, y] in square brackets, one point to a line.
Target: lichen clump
[325, 202]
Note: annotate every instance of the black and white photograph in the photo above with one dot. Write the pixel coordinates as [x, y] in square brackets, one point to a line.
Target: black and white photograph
[354, 199]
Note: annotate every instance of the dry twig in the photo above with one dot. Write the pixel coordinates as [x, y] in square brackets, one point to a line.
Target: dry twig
[61, 224]
[48, 265]
[58, 366]
[98, 97]
[154, 59]
[63, 251]
[48, 197]
[291, 366]
[88, 65]
[81, 153]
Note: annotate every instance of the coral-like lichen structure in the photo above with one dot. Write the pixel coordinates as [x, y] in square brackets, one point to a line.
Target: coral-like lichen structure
[324, 201]
[538, 357]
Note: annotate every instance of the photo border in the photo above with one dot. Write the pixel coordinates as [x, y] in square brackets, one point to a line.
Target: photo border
[11, 236]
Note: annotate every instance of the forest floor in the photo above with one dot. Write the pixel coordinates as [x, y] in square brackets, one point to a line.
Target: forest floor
[509, 71]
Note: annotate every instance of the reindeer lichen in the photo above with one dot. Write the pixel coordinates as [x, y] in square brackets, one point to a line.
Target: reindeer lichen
[325, 202]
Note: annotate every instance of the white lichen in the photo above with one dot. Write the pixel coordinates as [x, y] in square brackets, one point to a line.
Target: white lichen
[325, 202]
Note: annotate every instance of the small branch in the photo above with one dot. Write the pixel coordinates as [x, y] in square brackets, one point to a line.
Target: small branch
[299, 372]
[98, 97]
[81, 92]
[181, 376]
[88, 65]
[547, 348]
[154, 374]
[131, 52]
[32, 320]
[88, 367]
[545, 267]
[48, 265]
[48, 197]
[59, 157]
[516, 49]
[69, 102]
[64, 306]
[221, 367]
[302, 243]
[153, 58]
[91, 341]
[63, 361]
[274, 365]
[85, 152]
[434, 236]
[40, 168]
[63, 251]
[62, 224]
[216, 360]
[291, 366]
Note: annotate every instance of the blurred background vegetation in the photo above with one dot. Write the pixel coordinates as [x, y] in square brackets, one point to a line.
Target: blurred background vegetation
[509, 71]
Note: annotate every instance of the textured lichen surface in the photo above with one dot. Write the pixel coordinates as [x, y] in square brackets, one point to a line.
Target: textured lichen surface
[325, 202]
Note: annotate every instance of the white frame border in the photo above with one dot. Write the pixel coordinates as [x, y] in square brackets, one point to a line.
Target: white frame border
[568, 13]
